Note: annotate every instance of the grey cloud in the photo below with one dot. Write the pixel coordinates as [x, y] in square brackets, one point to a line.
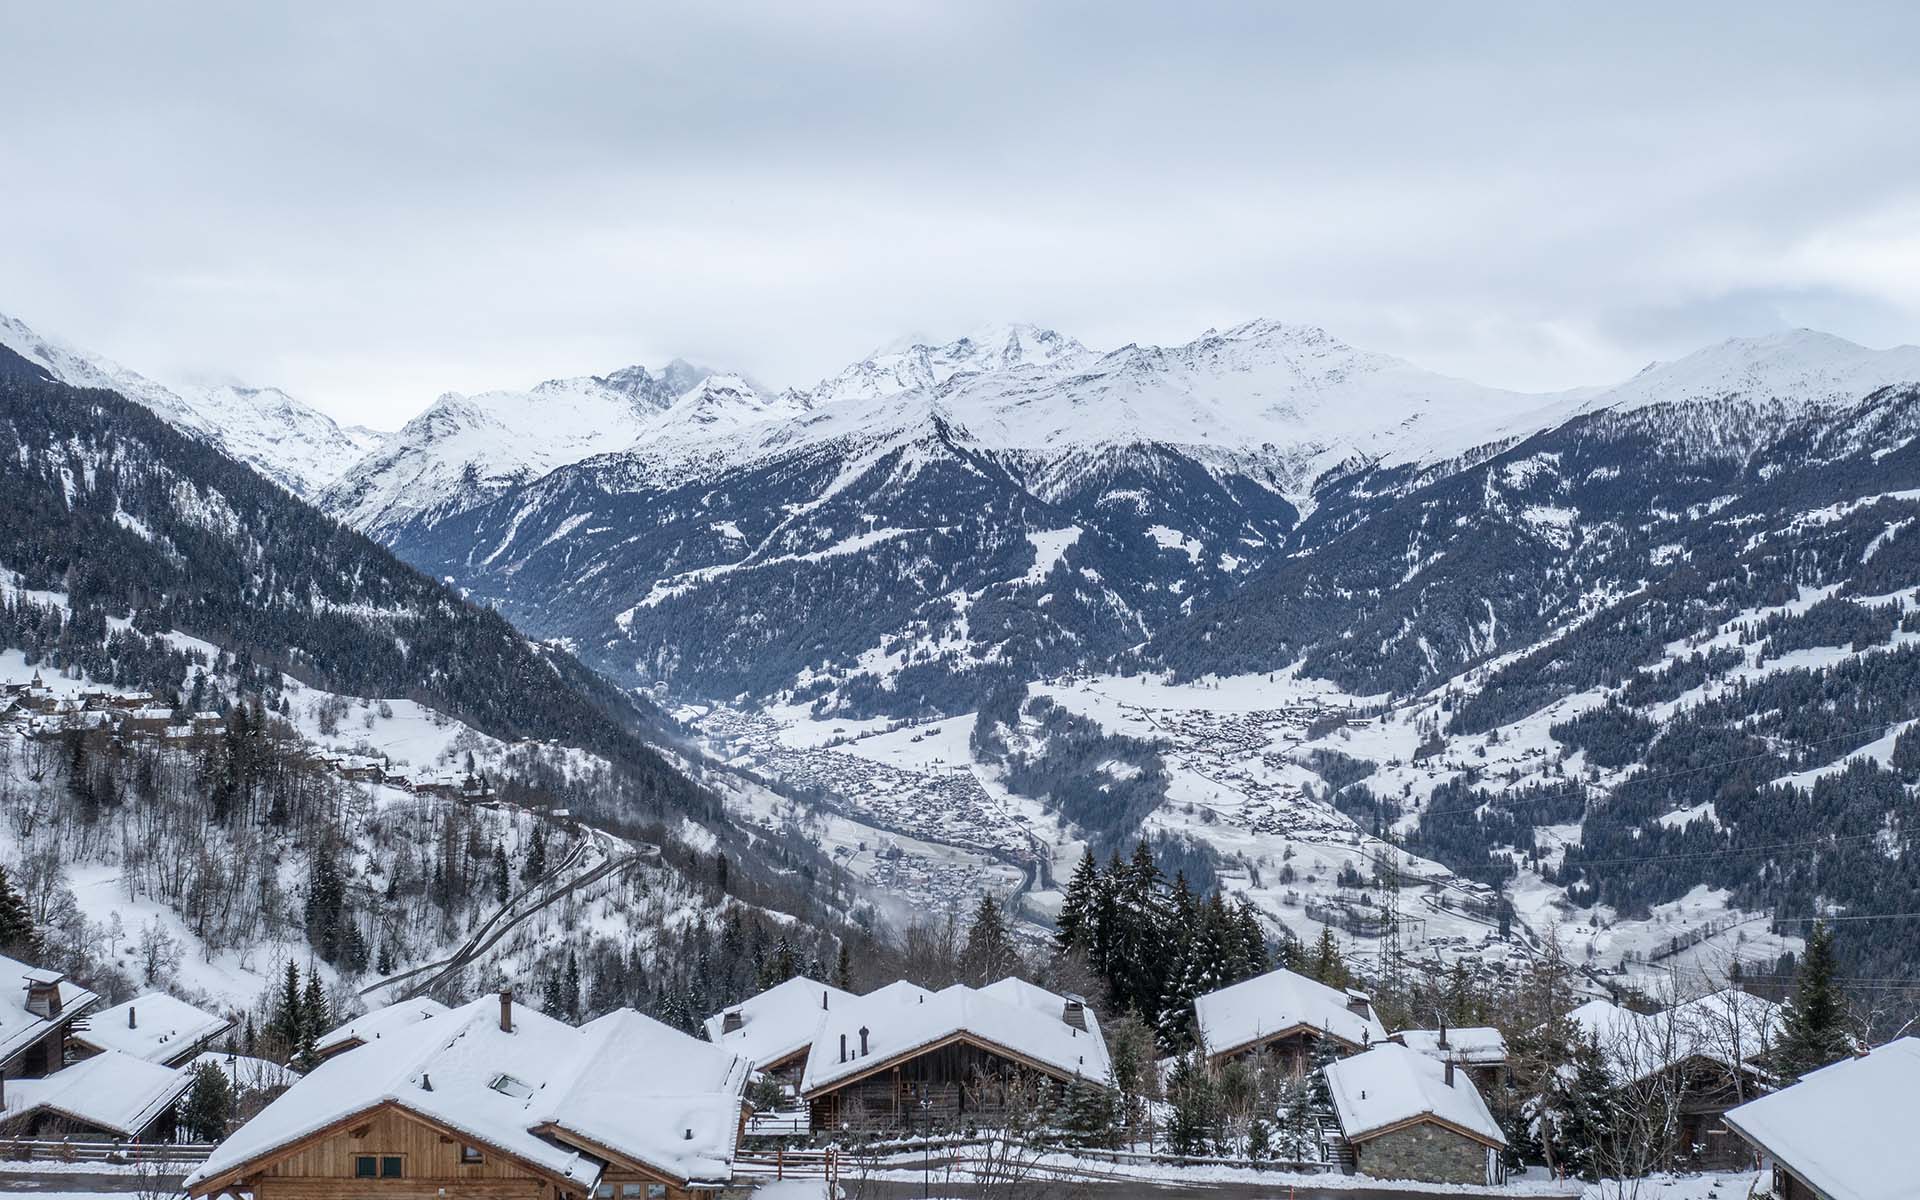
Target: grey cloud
[370, 204]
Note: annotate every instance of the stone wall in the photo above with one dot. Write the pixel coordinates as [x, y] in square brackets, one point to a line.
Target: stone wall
[1426, 1152]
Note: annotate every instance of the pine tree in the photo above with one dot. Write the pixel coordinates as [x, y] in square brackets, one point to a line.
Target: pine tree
[1299, 1133]
[18, 937]
[1191, 1125]
[1814, 1025]
[570, 988]
[502, 885]
[536, 863]
[209, 1104]
[843, 970]
[1078, 908]
[989, 954]
[384, 964]
[288, 1020]
[314, 1021]
[1327, 965]
[1092, 1116]
[1259, 1139]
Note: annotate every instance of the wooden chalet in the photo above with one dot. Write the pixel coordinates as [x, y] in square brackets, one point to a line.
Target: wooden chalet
[154, 1027]
[491, 1101]
[38, 1010]
[108, 1095]
[1712, 1052]
[774, 1030]
[1841, 1133]
[1479, 1050]
[1406, 1116]
[376, 1026]
[903, 1058]
[1287, 1015]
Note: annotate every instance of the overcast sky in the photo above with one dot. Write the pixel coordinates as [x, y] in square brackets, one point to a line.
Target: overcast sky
[369, 206]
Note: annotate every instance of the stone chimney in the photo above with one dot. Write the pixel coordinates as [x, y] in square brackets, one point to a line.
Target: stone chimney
[1359, 1004]
[731, 1023]
[863, 1042]
[1075, 1013]
[506, 1010]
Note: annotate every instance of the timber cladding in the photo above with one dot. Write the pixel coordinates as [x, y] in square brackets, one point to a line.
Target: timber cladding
[430, 1166]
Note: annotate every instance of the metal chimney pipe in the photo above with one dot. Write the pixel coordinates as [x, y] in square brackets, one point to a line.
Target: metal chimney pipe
[132, 1023]
[1449, 1072]
[863, 1041]
[506, 1010]
[843, 1047]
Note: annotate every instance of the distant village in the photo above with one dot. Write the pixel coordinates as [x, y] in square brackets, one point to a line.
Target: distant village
[33, 710]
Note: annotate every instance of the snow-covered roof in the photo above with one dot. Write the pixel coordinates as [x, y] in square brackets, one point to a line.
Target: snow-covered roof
[1253, 1010]
[623, 1083]
[1475, 1045]
[1729, 1027]
[111, 1090]
[1845, 1129]
[246, 1074]
[778, 1023]
[901, 1020]
[1391, 1085]
[370, 1026]
[20, 1028]
[156, 1027]
[655, 1095]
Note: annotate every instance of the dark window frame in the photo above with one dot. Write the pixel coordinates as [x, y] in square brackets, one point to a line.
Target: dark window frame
[366, 1166]
[399, 1164]
[471, 1155]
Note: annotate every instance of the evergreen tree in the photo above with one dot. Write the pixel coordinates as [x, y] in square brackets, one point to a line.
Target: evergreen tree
[570, 989]
[1078, 908]
[1259, 1139]
[1814, 1024]
[536, 864]
[18, 937]
[989, 953]
[288, 1021]
[843, 970]
[1191, 1126]
[1327, 966]
[209, 1104]
[1299, 1133]
[314, 1021]
[502, 885]
[384, 964]
[1092, 1115]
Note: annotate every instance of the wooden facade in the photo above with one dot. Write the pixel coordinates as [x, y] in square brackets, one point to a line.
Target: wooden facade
[949, 1085]
[1295, 1048]
[391, 1153]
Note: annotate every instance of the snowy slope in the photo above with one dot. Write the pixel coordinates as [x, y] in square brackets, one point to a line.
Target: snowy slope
[1801, 367]
[466, 449]
[292, 443]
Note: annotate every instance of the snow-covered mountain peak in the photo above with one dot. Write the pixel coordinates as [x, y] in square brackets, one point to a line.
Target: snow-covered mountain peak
[1797, 366]
[288, 441]
[719, 403]
[918, 365]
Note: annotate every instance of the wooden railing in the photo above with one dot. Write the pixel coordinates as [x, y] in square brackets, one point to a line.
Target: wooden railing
[48, 1150]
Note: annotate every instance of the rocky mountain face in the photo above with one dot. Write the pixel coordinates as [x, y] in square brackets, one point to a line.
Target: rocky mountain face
[290, 442]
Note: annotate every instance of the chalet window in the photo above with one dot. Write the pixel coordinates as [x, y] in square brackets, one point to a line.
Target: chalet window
[630, 1189]
[366, 1166]
[507, 1085]
[656, 1191]
[603, 1192]
[471, 1154]
[390, 1167]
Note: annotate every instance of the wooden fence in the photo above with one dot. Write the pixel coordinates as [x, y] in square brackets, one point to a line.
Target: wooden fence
[159, 1153]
